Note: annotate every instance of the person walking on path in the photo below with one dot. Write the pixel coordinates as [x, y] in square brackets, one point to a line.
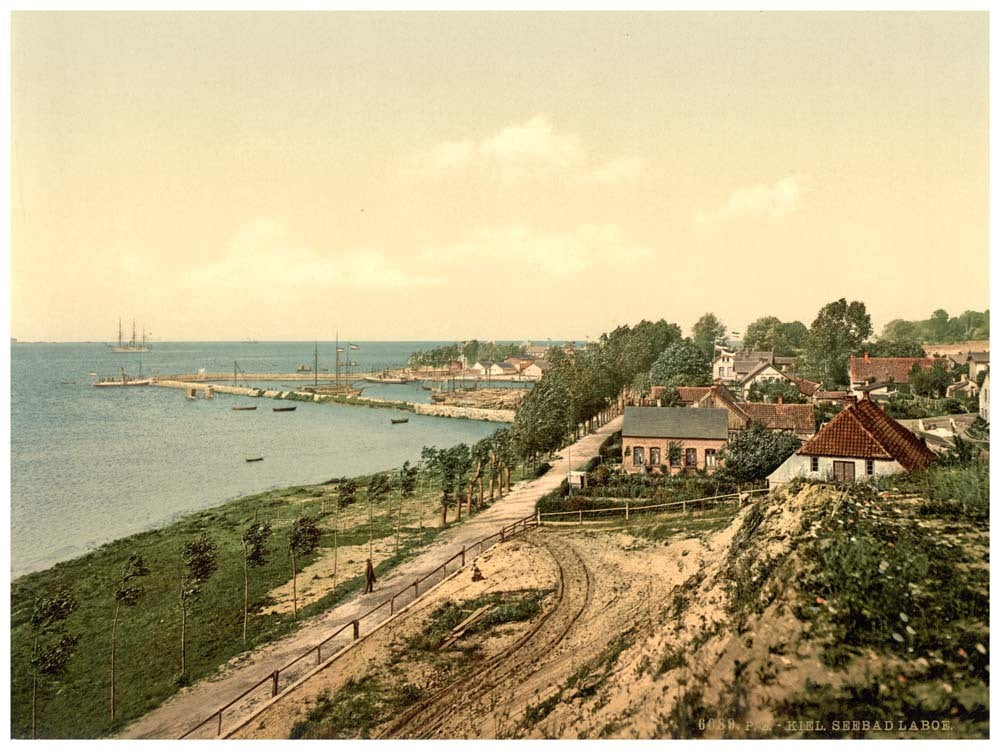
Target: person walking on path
[369, 577]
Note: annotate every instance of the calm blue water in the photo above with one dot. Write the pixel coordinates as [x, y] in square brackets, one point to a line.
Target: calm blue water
[90, 465]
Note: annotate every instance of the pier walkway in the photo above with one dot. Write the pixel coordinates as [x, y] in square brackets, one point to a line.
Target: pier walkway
[190, 705]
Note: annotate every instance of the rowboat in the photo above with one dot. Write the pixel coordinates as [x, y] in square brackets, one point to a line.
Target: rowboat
[258, 458]
[244, 408]
[284, 408]
[400, 421]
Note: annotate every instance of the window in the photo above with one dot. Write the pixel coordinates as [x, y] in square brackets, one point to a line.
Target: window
[654, 456]
[709, 457]
[690, 457]
[869, 466]
[814, 463]
[638, 456]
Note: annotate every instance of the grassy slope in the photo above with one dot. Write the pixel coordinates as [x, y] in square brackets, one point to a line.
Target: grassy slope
[148, 650]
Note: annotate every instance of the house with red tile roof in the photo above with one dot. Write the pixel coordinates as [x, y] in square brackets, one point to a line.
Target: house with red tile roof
[890, 371]
[861, 442]
[794, 418]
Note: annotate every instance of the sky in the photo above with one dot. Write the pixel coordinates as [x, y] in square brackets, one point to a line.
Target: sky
[445, 176]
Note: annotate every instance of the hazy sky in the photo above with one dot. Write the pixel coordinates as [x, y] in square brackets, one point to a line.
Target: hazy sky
[446, 176]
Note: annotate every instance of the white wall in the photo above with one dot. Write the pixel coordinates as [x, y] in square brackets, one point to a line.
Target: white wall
[800, 466]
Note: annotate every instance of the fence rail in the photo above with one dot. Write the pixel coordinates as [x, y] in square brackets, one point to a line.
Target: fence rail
[628, 508]
[273, 680]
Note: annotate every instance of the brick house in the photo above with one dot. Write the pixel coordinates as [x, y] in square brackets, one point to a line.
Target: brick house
[649, 431]
[862, 441]
[795, 418]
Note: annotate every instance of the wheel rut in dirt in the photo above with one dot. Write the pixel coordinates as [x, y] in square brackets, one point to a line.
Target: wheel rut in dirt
[433, 716]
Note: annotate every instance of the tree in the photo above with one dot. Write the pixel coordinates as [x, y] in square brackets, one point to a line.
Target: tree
[682, 363]
[303, 540]
[938, 327]
[892, 348]
[755, 452]
[52, 647]
[769, 392]
[200, 562]
[706, 332]
[347, 491]
[838, 330]
[378, 489]
[128, 593]
[254, 555]
[770, 334]
[933, 381]
[407, 486]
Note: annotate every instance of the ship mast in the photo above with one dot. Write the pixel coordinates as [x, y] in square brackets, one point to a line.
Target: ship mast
[119, 333]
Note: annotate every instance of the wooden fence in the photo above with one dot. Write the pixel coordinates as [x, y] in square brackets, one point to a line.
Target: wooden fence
[628, 509]
[270, 685]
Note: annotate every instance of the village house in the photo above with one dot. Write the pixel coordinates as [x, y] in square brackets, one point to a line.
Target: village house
[536, 351]
[978, 362]
[860, 442]
[797, 419]
[536, 369]
[482, 367]
[958, 352]
[648, 432]
[964, 388]
[763, 372]
[984, 399]
[501, 368]
[518, 362]
[807, 388]
[731, 367]
[884, 371]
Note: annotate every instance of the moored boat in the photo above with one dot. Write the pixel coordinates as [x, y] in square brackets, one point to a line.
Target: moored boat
[284, 408]
[400, 421]
[258, 458]
[244, 408]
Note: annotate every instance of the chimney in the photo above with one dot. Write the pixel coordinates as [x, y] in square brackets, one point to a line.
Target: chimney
[850, 401]
[867, 358]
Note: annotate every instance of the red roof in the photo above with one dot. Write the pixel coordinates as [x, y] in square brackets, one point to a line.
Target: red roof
[690, 393]
[862, 430]
[806, 387]
[795, 417]
[884, 369]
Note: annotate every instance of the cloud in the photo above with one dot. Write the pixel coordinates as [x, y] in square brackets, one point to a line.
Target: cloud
[530, 149]
[759, 201]
[519, 251]
[263, 254]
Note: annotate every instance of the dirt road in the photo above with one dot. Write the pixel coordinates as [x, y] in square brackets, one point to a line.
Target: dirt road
[196, 702]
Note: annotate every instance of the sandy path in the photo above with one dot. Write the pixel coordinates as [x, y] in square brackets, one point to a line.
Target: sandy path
[190, 705]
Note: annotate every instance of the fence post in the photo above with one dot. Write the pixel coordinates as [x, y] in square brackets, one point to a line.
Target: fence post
[357, 629]
[501, 533]
[626, 511]
[319, 654]
[274, 683]
[463, 556]
[581, 516]
[392, 606]
[219, 730]
[538, 518]
[416, 592]
[684, 506]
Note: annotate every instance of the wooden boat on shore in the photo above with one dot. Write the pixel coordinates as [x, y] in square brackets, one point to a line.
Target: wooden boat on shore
[400, 421]
[258, 458]
[284, 408]
[244, 408]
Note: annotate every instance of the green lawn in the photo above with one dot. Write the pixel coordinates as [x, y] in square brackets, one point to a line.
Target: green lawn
[148, 650]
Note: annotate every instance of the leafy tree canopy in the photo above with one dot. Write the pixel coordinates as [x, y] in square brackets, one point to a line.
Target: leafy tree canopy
[769, 391]
[755, 452]
[838, 330]
[683, 363]
[706, 332]
[770, 334]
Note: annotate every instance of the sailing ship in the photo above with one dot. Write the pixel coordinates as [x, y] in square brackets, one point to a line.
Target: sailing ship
[133, 344]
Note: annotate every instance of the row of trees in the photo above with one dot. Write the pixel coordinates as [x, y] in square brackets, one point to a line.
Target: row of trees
[940, 328]
[473, 351]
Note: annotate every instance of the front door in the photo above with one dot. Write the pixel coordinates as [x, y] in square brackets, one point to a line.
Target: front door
[843, 471]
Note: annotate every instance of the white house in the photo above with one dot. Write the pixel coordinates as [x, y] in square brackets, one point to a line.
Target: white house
[536, 369]
[860, 442]
[984, 398]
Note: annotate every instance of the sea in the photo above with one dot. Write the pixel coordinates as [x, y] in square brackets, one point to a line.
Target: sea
[91, 465]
